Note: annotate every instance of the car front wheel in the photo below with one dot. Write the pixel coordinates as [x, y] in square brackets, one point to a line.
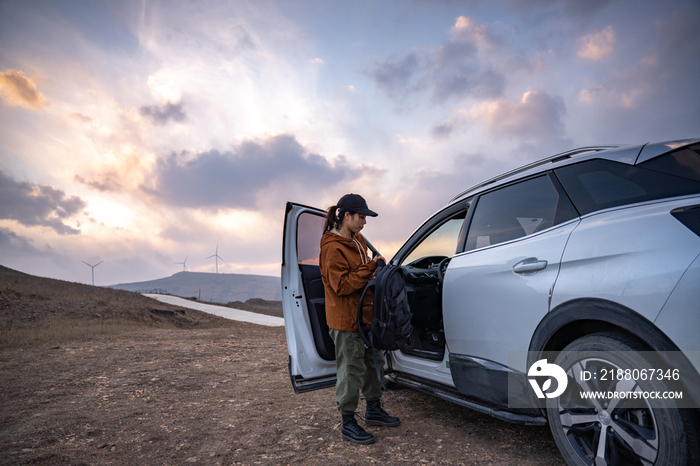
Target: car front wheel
[620, 430]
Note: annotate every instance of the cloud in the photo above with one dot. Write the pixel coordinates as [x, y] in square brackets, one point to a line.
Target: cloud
[109, 182]
[597, 46]
[44, 205]
[628, 98]
[462, 66]
[165, 86]
[457, 74]
[657, 78]
[18, 90]
[397, 77]
[11, 243]
[162, 114]
[243, 40]
[460, 69]
[245, 177]
[451, 180]
[80, 118]
[443, 130]
[679, 32]
[468, 30]
[559, 8]
[589, 95]
[655, 72]
[428, 189]
[536, 115]
[120, 169]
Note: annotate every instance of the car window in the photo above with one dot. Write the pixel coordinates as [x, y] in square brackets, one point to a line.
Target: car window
[684, 163]
[309, 232]
[601, 184]
[516, 211]
[442, 242]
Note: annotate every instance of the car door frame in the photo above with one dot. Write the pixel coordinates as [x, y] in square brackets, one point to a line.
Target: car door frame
[308, 370]
[435, 371]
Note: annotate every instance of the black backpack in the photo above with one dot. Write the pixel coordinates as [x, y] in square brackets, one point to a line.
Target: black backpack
[391, 325]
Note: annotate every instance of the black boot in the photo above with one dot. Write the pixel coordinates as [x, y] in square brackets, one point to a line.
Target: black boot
[376, 416]
[352, 432]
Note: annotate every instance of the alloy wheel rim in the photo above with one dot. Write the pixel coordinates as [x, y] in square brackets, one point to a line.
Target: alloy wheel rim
[603, 434]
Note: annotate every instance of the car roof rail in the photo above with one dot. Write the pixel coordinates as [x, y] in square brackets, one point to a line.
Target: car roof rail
[551, 159]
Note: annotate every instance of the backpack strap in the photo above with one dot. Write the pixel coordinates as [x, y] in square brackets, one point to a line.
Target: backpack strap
[367, 336]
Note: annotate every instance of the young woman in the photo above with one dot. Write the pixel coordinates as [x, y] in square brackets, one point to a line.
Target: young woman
[346, 268]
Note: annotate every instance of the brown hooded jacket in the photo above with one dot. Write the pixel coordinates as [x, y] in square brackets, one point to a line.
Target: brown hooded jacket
[346, 267]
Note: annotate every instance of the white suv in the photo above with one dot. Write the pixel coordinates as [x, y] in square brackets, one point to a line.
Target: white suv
[584, 264]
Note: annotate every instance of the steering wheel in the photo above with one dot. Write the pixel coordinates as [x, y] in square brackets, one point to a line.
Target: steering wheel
[442, 268]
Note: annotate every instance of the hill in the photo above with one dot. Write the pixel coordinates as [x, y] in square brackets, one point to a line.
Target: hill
[36, 309]
[211, 287]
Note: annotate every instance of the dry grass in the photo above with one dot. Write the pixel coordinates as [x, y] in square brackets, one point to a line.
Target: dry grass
[61, 331]
[43, 311]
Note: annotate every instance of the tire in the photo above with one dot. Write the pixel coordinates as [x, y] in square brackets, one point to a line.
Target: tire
[641, 432]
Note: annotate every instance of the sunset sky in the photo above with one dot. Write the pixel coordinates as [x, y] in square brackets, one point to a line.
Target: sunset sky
[141, 133]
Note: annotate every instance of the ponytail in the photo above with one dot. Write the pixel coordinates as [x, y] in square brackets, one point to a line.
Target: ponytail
[332, 220]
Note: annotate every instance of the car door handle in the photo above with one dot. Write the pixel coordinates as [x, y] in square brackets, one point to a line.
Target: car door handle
[530, 265]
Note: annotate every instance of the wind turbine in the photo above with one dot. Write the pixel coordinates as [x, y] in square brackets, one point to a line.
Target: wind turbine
[93, 270]
[184, 264]
[217, 256]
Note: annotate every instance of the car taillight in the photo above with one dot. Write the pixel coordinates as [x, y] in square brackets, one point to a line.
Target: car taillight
[689, 216]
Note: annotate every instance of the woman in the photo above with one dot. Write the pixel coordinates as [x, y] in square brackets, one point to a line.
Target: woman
[345, 269]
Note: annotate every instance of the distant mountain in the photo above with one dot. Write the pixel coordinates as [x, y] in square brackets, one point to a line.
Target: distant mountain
[211, 287]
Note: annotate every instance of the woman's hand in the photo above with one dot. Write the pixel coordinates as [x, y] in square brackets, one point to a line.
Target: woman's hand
[379, 257]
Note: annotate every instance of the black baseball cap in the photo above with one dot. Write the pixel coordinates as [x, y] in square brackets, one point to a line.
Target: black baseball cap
[355, 203]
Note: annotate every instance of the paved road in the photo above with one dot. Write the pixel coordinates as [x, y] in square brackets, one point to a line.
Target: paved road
[221, 311]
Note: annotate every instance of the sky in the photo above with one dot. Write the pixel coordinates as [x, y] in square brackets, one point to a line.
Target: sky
[141, 134]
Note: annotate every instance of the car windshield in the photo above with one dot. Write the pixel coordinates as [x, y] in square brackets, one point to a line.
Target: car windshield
[442, 242]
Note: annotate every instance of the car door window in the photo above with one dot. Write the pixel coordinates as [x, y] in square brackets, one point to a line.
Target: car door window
[310, 230]
[517, 211]
[441, 243]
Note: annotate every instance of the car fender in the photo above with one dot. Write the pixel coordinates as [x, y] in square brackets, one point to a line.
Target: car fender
[576, 318]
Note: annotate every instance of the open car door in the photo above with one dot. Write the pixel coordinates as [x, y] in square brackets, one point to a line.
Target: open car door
[311, 350]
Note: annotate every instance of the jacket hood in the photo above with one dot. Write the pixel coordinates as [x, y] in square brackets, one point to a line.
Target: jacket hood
[356, 244]
[331, 237]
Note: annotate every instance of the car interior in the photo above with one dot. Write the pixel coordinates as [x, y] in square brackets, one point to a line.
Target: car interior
[424, 269]
[425, 301]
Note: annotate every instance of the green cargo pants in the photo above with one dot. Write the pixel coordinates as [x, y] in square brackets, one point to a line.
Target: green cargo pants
[355, 370]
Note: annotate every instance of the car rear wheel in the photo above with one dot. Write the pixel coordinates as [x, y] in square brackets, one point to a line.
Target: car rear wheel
[617, 431]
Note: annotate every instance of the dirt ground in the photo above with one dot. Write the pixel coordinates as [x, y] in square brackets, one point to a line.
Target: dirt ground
[214, 392]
